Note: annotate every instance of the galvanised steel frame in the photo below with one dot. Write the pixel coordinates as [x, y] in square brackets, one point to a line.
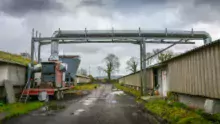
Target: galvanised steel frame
[139, 37]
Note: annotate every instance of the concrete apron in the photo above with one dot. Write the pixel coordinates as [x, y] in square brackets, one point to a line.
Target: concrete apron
[212, 106]
[148, 98]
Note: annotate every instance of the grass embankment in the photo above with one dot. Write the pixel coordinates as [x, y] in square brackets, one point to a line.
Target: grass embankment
[14, 58]
[131, 91]
[85, 87]
[174, 112]
[11, 110]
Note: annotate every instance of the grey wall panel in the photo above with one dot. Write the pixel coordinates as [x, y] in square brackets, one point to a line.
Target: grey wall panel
[197, 73]
[134, 79]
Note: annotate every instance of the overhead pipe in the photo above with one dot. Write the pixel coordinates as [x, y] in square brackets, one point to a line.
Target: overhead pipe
[120, 41]
[150, 34]
[32, 47]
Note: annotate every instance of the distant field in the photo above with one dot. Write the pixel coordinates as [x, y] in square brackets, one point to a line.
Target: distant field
[85, 87]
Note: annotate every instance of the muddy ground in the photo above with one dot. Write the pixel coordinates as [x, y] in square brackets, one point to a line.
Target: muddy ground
[103, 105]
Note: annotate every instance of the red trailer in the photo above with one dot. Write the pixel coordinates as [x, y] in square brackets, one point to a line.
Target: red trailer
[52, 81]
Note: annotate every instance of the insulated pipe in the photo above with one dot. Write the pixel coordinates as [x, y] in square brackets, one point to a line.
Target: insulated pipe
[134, 33]
[32, 48]
[54, 48]
[54, 51]
[39, 52]
[156, 34]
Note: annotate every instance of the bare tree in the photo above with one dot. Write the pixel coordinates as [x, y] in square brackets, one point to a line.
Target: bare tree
[25, 55]
[156, 51]
[149, 61]
[132, 64]
[112, 64]
[164, 55]
[82, 71]
[100, 69]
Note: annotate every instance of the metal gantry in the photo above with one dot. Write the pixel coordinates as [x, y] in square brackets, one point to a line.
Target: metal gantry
[139, 37]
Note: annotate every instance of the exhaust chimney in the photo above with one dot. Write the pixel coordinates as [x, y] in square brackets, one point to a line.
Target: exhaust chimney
[54, 48]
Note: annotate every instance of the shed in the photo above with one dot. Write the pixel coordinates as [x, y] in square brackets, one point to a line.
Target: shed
[193, 76]
[82, 79]
[133, 79]
[197, 71]
[13, 73]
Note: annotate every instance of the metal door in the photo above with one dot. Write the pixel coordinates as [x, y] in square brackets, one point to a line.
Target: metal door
[164, 83]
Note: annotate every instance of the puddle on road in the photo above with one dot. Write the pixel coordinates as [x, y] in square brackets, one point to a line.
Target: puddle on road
[134, 114]
[118, 93]
[77, 112]
[114, 101]
[43, 113]
[89, 101]
[48, 110]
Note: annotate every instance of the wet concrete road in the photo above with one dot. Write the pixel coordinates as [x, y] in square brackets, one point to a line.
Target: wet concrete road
[102, 106]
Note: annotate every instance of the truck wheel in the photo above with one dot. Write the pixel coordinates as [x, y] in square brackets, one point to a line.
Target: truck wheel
[57, 95]
[61, 95]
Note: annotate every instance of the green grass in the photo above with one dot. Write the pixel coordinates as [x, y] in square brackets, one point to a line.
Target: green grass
[172, 111]
[175, 112]
[14, 58]
[1, 104]
[134, 92]
[85, 87]
[16, 109]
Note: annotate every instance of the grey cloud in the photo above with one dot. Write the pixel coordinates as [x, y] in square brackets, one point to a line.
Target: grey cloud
[84, 48]
[123, 6]
[210, 2]
[188, 11]
[22, 7]
[144, 14]
[92, 3]
[122, 3]
[204, 11]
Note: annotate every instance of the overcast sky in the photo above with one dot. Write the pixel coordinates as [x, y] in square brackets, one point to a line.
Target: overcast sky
[18, 17]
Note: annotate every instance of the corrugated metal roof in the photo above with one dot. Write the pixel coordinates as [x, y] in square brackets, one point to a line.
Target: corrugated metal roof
[178, 56]
[68, 56]
[81, 76]
[193, 50]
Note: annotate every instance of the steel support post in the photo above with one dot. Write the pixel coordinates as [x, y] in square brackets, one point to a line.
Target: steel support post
[144, 69]
[32, 48]
[141, 61]
[39, 52]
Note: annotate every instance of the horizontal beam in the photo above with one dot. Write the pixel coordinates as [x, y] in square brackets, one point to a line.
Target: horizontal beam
[134, 42]
[162, 50]
[49, 39]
